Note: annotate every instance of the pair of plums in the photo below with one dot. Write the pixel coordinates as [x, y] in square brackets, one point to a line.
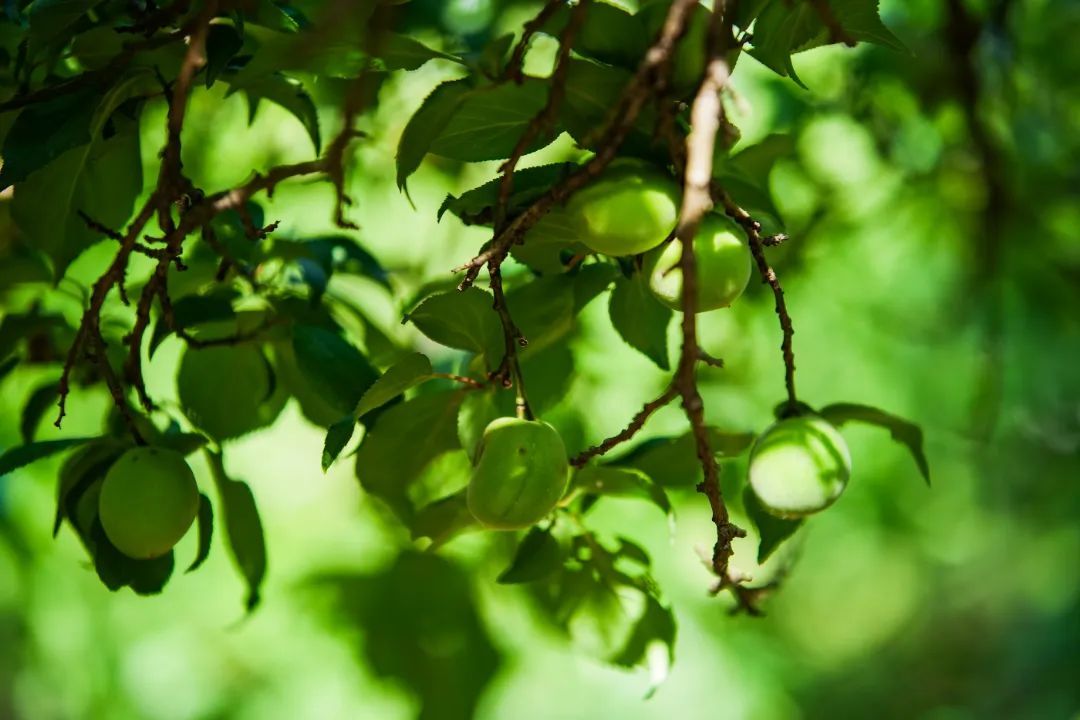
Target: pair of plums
[632, 210]
[797, 467]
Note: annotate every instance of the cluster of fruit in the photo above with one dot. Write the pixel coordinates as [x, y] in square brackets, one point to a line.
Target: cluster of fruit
[799, 466]
[631, 211]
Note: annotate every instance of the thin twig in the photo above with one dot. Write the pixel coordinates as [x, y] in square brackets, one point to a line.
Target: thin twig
[467, 381]
[768, 275]
[545, 119]
[636, 424]
[650, 77]
[705, 118]
[513, 69]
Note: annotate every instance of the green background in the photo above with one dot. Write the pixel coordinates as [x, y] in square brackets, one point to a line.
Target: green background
[907, 293]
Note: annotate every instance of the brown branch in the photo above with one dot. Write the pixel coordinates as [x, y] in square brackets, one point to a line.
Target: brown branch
[709, 359]
[768, 275]
[93, 78]
[467, 381]
[636, 424]
[649, 79]
[545, 119]
[706, 115]
[509, 370]
[513, 69]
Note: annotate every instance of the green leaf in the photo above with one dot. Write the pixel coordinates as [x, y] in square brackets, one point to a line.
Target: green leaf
[488, 121]
[537, 557]
[228, 391]
[333, 254]
[902, 431]
[861, 20]
[548, 375]
[656, 625]
[613, 481]
[747, 11]
[443, 520]
[206, 532]
[8, 364]
[592, 90]
[422, 632]
[117, 570]
[402, 442]
[406, 373]
[281, 90]
[44, 131]
[640, 319]
[401, 52]
[673, 462]
[84, 466]
[781, 30]
[426, 124]
[222, 43]
[609, 34]
[100, 177]
[40, 401]
[478, 409]
[465, 320]
[335, 369]
[184, 443]
[477, 206]
[276, 16]
[602, 598]
[772, 530]
[338, 436]
[243, 528]
[16, 457]
[50, 18]
[191, 311]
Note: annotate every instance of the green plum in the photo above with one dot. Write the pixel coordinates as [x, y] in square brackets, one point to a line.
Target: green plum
[520, 475]
[723, 266]
[627, 211]
[148, 501]
[799, 466]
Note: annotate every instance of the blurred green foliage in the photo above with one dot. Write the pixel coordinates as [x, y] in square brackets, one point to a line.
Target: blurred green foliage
[919, 279]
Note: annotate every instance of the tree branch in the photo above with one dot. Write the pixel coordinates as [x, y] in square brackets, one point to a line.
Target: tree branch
[636, 424]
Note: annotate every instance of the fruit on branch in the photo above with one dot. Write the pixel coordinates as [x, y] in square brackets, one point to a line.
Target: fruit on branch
[723, 266]
[799, 466]
[148, 501]
[228, 391]
[521, 473]
[627, 211]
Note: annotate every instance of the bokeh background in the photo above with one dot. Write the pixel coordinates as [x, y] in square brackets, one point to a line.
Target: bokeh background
[933, 271]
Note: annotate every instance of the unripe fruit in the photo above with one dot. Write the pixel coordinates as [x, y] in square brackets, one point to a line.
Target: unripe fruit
[628, 211]
[520, 475]
[723, 266]
[148, 501]
[799, 466]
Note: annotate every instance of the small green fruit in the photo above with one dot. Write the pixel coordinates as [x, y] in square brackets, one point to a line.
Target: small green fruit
[626, 212]
[521, 473]
[148, 501]
[723, 266]
[799, 466]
